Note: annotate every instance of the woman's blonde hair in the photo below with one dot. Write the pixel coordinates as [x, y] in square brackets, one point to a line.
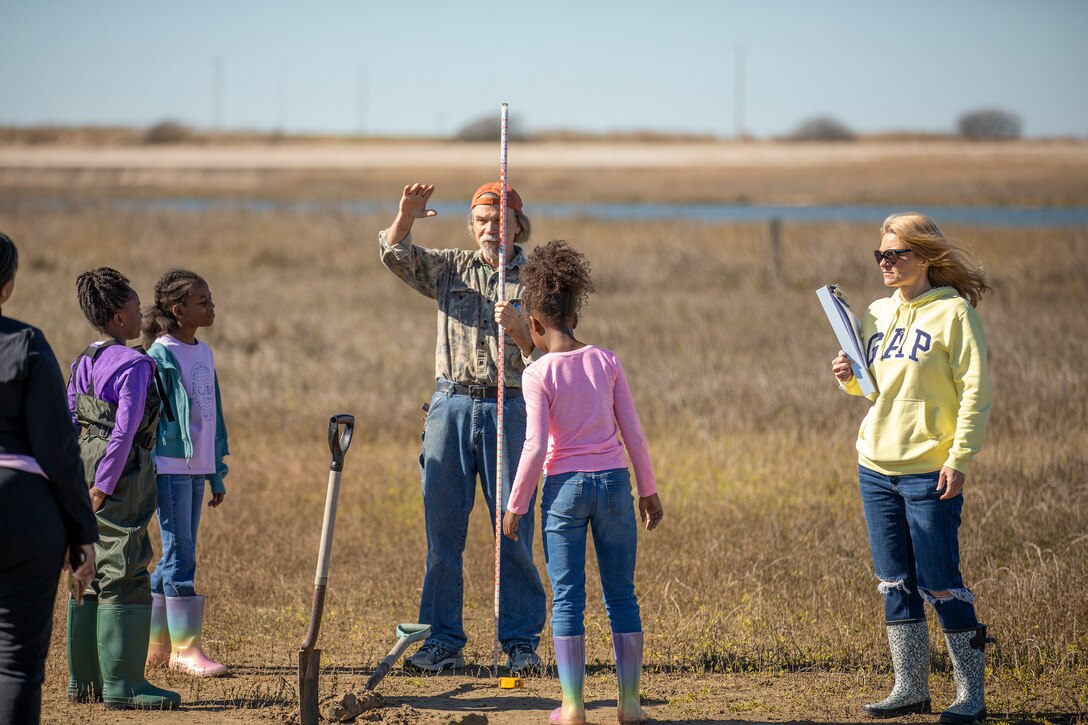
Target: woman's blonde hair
[948, 265]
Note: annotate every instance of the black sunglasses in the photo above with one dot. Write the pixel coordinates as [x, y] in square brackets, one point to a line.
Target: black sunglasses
[891, 256]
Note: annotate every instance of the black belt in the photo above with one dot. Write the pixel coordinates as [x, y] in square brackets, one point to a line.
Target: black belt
[475, 391]
[145, 440]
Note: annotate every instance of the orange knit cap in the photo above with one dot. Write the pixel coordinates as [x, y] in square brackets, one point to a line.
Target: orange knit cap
[513, 200]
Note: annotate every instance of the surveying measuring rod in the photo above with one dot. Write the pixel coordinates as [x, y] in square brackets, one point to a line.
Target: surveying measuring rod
[501, 348]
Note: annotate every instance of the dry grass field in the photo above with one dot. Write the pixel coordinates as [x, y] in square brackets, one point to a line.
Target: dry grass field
[757, 592]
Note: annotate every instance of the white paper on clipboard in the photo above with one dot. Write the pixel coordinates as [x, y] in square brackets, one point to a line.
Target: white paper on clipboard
[848, 331]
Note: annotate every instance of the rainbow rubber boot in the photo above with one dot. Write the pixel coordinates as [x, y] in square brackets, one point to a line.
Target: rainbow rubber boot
[570, 660]
[627, 647]
[185, 619]
[158, 647]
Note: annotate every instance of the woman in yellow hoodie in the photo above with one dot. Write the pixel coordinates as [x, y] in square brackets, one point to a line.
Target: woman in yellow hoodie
[927, 353]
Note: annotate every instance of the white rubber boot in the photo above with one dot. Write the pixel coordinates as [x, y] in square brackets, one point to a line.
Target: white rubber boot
[909, 644]
[967, 650]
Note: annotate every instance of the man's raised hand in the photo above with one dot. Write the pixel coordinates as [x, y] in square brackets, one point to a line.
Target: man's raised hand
[413, 203]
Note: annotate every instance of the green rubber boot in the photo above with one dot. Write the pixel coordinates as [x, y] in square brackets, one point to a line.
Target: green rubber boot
[123, 633]
[84, 677]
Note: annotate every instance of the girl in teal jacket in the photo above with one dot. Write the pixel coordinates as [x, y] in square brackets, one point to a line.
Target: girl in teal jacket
[189, 451]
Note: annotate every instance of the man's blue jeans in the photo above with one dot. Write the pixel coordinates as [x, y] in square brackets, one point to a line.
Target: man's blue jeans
[180, 498]
[914, 539]
[459, 444]
[571, 503]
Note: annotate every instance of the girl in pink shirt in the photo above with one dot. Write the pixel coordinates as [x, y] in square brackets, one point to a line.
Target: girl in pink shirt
[578, 406]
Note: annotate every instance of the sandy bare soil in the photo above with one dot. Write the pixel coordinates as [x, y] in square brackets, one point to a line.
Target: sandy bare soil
[529, 155]
[924, 172]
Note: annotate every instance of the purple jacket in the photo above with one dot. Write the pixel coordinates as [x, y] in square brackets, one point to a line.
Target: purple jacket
[121, 376]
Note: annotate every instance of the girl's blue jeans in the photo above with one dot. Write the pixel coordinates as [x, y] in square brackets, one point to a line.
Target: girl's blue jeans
[571, 505]
[914, 539]
[180, 499]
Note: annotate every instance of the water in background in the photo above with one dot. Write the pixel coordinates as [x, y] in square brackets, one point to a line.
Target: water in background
[650, 211]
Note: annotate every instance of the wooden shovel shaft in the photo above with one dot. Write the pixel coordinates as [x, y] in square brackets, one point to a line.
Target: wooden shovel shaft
[316, 610]
[325, 552]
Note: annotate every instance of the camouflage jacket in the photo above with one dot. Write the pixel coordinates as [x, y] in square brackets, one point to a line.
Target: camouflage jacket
[466, 289]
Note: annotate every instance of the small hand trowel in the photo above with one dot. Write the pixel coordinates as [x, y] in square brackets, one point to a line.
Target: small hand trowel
[406, 635]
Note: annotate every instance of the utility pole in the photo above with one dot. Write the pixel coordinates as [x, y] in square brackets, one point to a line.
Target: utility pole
[281, 103]
[738, 93]
[217, 93]
[361, 100]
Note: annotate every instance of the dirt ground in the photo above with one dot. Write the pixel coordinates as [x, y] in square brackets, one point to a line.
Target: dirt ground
[473, 698]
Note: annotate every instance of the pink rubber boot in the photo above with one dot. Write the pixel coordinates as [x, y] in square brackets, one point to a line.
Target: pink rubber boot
[158, 647]
[185, 617]
[570, 660]
[627, 647]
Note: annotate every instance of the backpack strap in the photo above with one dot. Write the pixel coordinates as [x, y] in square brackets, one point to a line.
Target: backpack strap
[164, 399]
[91, 352]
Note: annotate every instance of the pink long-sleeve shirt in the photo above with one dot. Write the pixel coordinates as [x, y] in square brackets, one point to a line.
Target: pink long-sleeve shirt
[577, 405]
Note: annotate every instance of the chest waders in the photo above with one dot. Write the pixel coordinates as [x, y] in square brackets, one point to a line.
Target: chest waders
[108, 633]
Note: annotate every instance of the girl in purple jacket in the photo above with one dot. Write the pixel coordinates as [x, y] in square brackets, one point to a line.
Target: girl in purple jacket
[114, 401]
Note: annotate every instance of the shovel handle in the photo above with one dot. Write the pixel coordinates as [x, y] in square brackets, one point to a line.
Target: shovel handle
[324, 552]
[340, 429]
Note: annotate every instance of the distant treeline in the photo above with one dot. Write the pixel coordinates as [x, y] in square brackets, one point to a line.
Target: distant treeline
[980, 125]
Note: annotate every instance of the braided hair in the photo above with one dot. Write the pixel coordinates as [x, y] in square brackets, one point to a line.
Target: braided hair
[171, 289]
[556, 281]
[9, 259]
[102, 292]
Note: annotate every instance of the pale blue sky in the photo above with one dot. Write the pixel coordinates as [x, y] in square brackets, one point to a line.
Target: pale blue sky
[428, 67]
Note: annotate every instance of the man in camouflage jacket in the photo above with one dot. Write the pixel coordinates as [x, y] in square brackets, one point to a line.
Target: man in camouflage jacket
[459, 442]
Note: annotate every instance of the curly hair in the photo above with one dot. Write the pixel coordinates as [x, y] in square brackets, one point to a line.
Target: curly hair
[949, 266]
[102, 292]
[9, 259]
[171, 289]
[555, 282]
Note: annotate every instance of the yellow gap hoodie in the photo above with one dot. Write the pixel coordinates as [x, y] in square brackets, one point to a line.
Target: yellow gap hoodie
[928, 357]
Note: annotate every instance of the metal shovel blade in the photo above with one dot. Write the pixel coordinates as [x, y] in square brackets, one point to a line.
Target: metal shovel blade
[309, 666]
[406, 635]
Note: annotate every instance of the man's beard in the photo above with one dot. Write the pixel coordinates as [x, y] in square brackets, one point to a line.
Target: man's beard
[490, 248]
